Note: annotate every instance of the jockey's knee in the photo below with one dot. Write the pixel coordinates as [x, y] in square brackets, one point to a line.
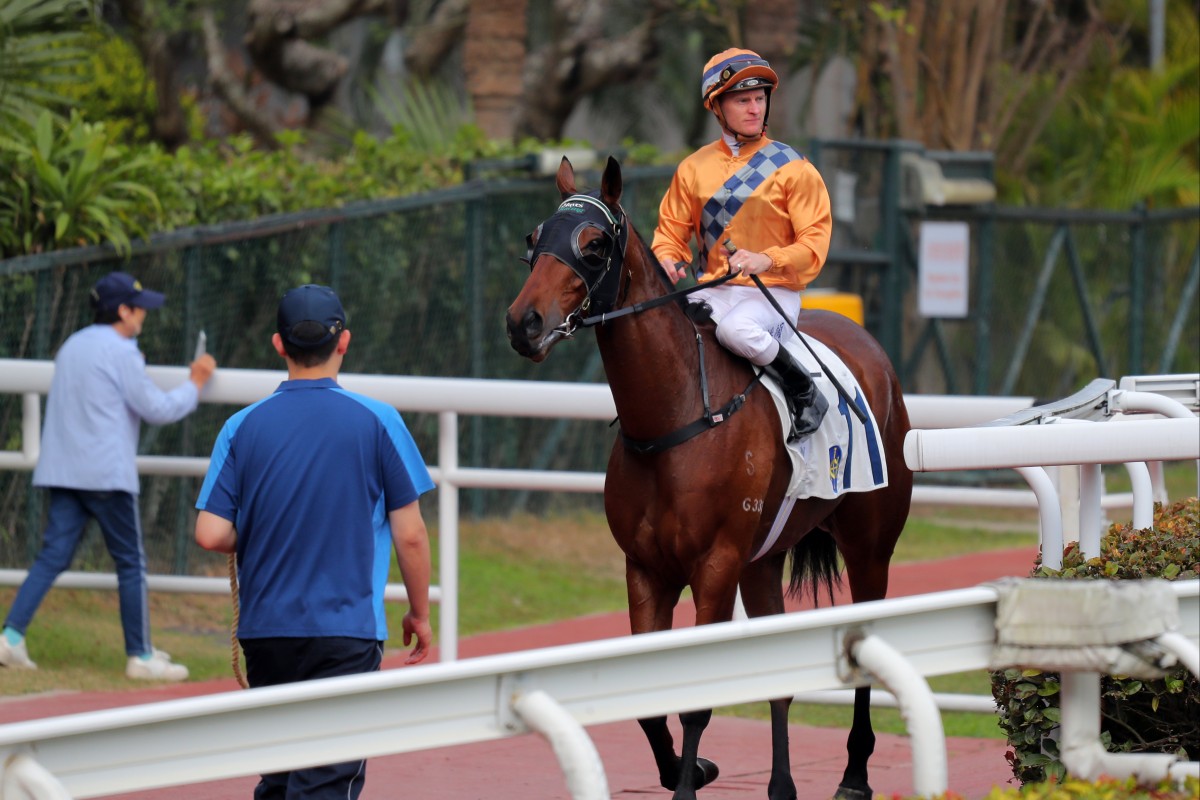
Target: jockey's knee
[749, 342]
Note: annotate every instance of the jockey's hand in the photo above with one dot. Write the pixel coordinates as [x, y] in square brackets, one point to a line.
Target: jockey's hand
[675, 270]
[748, 263]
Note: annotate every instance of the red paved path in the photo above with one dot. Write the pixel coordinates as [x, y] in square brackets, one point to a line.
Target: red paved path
[524, 768]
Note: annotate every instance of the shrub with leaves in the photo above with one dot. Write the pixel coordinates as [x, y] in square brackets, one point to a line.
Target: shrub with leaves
[1073, 788]
[1158, 716]
[68, 184]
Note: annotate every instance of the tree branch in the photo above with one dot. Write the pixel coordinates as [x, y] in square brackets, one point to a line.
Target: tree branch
[154, 46]
[227, 87]
[436, 37]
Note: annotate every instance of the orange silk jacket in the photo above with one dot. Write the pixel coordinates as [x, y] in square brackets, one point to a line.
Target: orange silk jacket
[787, 217]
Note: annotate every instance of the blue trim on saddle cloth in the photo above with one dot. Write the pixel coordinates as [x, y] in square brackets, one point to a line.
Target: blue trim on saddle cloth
[873, 453]
[728, 200]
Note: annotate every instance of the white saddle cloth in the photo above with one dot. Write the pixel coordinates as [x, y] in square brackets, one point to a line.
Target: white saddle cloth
[843, 455]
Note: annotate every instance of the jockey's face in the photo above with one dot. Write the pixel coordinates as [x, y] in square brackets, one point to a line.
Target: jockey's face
[744, 111]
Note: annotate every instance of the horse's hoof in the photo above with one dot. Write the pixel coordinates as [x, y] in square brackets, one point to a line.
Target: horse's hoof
[848, 793]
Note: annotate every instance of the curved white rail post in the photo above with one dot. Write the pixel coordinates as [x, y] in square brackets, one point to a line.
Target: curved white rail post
[917, 705]
[1143, 494]
[448, 535]
[572, 746]
[23, 777]
[1082, 753]
[1178, 645]
[1128, 400]
[1049, 520]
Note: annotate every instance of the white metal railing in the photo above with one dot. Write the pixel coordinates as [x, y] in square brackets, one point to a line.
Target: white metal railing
[451, 397]
[448, 398]
[554, 691]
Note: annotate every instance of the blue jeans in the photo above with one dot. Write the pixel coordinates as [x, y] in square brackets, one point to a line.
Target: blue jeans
[117, 513]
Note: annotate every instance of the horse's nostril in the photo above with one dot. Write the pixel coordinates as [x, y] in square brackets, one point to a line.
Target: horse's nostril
[532, 323]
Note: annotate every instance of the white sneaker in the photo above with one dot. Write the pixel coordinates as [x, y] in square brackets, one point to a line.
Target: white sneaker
[15, 655]
[157, 667]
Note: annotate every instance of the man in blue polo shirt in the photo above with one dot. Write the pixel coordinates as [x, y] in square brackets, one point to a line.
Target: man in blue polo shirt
[313, 487]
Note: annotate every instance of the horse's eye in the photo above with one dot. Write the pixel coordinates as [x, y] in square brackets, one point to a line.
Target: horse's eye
[594, 250]
[530, 243]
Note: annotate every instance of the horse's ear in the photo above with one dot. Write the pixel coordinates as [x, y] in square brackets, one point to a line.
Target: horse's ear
[566, 178]
[610, 184]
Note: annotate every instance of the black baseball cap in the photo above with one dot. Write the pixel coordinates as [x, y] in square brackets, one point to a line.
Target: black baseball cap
[310, 315]
[121, 288]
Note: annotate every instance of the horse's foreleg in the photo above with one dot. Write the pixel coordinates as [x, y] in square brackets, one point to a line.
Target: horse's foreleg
[703, 771]
[781, 786]
[650, 609]
[663, 748]
[859, 746]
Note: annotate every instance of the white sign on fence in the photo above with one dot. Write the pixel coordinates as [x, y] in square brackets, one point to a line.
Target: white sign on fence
[944, 256]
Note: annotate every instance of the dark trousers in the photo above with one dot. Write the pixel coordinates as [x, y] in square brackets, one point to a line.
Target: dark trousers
[270, 662]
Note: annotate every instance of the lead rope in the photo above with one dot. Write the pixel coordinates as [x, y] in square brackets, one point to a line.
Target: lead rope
[235, 651]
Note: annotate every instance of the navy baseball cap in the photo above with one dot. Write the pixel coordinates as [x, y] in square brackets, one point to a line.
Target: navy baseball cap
[121, 288]
[310, 315]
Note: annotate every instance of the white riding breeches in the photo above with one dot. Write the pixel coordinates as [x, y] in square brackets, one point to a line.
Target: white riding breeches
[747, 323]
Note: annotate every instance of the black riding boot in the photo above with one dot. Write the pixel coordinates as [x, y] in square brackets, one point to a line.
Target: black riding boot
[807, 403]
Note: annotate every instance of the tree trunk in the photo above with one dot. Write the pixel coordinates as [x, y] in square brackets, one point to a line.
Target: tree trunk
[580, 61]
[278, 39]
[493, 60]
[153, 44]
[437, 36]
[772, 28]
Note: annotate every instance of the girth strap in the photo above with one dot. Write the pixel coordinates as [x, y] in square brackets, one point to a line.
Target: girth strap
[708, 420]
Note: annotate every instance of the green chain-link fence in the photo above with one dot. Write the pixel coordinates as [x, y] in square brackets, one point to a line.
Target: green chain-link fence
[426, 280]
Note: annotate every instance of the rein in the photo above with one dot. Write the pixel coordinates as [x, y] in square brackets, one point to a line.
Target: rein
[646, 305]
[710, 418]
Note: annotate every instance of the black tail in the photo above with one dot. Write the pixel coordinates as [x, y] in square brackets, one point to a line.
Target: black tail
[815, 564]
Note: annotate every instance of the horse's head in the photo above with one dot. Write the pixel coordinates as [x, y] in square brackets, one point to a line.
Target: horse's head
[575, 259]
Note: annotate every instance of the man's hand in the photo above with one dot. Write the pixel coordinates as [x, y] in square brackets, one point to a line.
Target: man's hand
[420, 628]
[202, 369]
[675, 270]
[748, 263]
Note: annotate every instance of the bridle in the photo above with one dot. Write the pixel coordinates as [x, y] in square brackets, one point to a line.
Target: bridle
[601, 275]
[600, 270]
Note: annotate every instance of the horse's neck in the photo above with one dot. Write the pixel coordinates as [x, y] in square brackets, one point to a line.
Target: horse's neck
[652, 361]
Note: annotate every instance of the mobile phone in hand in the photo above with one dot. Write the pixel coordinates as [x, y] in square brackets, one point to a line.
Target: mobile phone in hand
[201, 345]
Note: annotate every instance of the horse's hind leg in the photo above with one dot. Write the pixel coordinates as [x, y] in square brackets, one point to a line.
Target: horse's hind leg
[762, 595]
[867, 572]
[860, 744]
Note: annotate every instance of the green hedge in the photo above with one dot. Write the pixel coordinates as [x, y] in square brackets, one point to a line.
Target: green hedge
[70, 183]
[1159, 716]
[1072, 789]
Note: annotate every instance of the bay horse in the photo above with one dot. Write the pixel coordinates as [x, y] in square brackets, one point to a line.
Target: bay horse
[691, 499]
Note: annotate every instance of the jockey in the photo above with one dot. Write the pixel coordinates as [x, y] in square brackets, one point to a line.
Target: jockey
[756, 207]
